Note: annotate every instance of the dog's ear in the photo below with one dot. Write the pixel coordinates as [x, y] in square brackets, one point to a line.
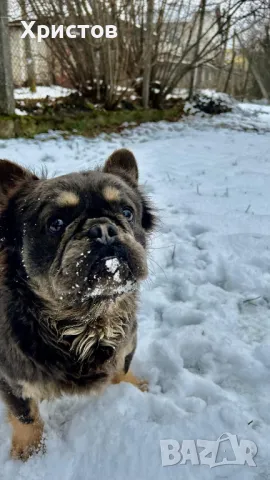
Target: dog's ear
[11, 175]
[123, 164]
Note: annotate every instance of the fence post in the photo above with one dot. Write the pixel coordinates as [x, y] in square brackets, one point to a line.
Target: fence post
[6, 81]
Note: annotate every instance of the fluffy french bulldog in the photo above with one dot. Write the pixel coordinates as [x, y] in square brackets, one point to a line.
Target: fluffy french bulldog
[73, 250]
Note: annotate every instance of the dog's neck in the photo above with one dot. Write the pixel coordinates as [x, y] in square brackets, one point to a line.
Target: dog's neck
[103, 323]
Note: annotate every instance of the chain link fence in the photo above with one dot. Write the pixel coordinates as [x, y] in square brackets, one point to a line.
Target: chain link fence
[40, 57]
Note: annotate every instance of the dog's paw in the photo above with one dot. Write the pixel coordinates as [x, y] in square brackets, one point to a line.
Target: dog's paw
[129, 377]
[20, 452]
[143, 385]
[27, 441]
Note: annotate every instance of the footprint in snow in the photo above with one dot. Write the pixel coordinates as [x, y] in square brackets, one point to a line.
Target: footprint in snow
[47, 159]
[196, 229]
[174, 317]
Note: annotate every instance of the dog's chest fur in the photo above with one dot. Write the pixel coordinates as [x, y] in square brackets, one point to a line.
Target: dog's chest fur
[65, 355]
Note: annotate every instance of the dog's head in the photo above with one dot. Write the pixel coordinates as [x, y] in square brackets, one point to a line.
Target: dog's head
[77, 237]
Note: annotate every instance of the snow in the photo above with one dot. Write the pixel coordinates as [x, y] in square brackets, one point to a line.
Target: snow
[53, 91]
[207, 92]
[216, 95]
[204, 323]
[112, 264]
[20, 112]
[128, 286]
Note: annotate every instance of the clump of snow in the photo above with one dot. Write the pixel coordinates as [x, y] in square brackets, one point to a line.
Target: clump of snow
[212, 102]
[178, 93]
[214, 95]
[53, 91]
[112, 264]
[128, 286]
[189, 109]
[205, 100]
[204, 330]
[20, 112]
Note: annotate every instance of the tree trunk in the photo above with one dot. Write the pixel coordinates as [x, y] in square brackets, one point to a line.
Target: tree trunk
[201, 16]
[223, 57]
[245, 87]
[6, 81]
[30, 64]
[231, 68]
[254, 70]
[148, 53]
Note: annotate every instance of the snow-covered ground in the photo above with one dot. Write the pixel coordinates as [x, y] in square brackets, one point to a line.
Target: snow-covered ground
[52, 91]
[204, 342]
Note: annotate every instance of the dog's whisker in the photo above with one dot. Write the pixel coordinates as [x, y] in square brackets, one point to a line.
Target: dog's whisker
[160, 248]
[159, 266]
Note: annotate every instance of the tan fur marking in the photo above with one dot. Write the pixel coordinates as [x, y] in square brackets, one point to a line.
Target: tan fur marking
[111, 194]
[129, 377]
[51, 391]
[68, 199]
[27, 438]
[40, 392]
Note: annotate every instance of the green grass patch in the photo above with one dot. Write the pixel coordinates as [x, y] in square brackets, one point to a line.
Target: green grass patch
[88, 124]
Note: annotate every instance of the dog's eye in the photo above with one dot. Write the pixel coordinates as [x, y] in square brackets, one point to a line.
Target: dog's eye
[56, 226]
[128, 213]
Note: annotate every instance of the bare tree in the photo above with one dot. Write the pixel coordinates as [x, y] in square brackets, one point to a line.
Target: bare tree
[30, 64]
[148, 52]
[100, 68]
[189, 34]
[255, 71]
[6, 81]
[229, 76]
[200, 15]
[256, 48]
[212, 38]
[158, 40]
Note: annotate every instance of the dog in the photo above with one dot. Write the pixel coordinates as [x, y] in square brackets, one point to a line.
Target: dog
[73, 250]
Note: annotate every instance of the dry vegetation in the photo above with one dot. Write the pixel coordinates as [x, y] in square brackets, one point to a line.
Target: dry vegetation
[159, 42]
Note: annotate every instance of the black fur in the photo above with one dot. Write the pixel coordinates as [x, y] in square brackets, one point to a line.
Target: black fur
[128, 361]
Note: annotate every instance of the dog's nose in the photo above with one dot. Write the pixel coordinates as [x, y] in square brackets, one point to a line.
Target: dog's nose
[103, 233]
